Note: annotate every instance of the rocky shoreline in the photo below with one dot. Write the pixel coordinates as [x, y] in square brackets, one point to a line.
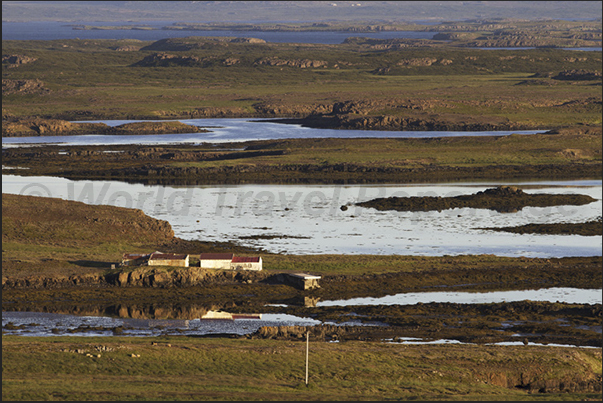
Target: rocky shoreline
[589, 228]
[57, 127]
[60, 127]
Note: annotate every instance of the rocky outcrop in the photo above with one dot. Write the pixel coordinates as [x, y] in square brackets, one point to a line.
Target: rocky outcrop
[168, 60]
[389, 44]
[23, 87]
[300, 63]
[589, 228]
[136, 128]
[247, 40]
[578, 75]
[127, 48]
[423, 61]
[180, 277]
[171, 60]
[388, 122]
[268, 109]
[503, 199]
[216, 112]
[145, 276]
[57, 127]
[230, 61]
[48, 127]
[13, 61]
[171, 45]
[512, 39]
[39, 282]
[185, 44]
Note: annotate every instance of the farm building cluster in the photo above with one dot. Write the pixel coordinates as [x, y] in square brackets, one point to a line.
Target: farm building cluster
[222, 261]
[219, 261]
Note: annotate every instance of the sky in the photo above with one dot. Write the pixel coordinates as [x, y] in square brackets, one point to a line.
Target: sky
[294, 11]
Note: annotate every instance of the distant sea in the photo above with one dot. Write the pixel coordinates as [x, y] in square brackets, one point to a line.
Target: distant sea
[43, 30]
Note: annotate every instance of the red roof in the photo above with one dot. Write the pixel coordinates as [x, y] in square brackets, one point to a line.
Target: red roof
[216, 256]
[167, 256]
[134, 256]
[244, 259]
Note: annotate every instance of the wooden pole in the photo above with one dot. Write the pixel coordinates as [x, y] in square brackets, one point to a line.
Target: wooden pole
[307, 349]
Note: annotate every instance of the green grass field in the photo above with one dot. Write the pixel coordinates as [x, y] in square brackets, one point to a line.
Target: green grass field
[177, 368]
[90, 79]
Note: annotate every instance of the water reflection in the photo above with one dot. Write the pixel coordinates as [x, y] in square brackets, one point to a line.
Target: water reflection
[201, 320]
[54, 324]
[221, 315]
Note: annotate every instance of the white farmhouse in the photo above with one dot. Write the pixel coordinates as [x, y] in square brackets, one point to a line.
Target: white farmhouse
[215, 260]
[168, 259]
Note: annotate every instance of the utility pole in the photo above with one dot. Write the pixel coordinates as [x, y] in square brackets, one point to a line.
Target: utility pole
[307, 349]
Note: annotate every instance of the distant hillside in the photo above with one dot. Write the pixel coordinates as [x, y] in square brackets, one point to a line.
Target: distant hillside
[290, 11]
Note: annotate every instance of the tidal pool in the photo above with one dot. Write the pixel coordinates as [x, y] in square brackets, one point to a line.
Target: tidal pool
[53, 324]
[219, 322]
[557, 294]
[308, 219]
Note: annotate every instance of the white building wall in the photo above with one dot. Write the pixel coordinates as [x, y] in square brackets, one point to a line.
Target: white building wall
[215, 264]
[165, 262]
[247, 265]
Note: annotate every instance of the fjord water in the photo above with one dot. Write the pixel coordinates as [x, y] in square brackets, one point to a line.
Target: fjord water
[308, 219]
[235, 130]
[52, 30]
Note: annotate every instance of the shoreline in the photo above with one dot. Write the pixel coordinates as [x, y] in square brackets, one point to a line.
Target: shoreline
[561, 154]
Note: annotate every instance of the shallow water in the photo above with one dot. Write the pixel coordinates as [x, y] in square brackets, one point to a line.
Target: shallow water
[560, 294]
[307, 219]
[52, 324]
[413, 340]
[236, 130]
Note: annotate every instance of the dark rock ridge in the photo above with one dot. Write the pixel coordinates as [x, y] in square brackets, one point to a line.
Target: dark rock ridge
[185, 44]
[590, 228]
[504, 199]
[342, 173]
[148, 277]
[387, 122]
[58, 127]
